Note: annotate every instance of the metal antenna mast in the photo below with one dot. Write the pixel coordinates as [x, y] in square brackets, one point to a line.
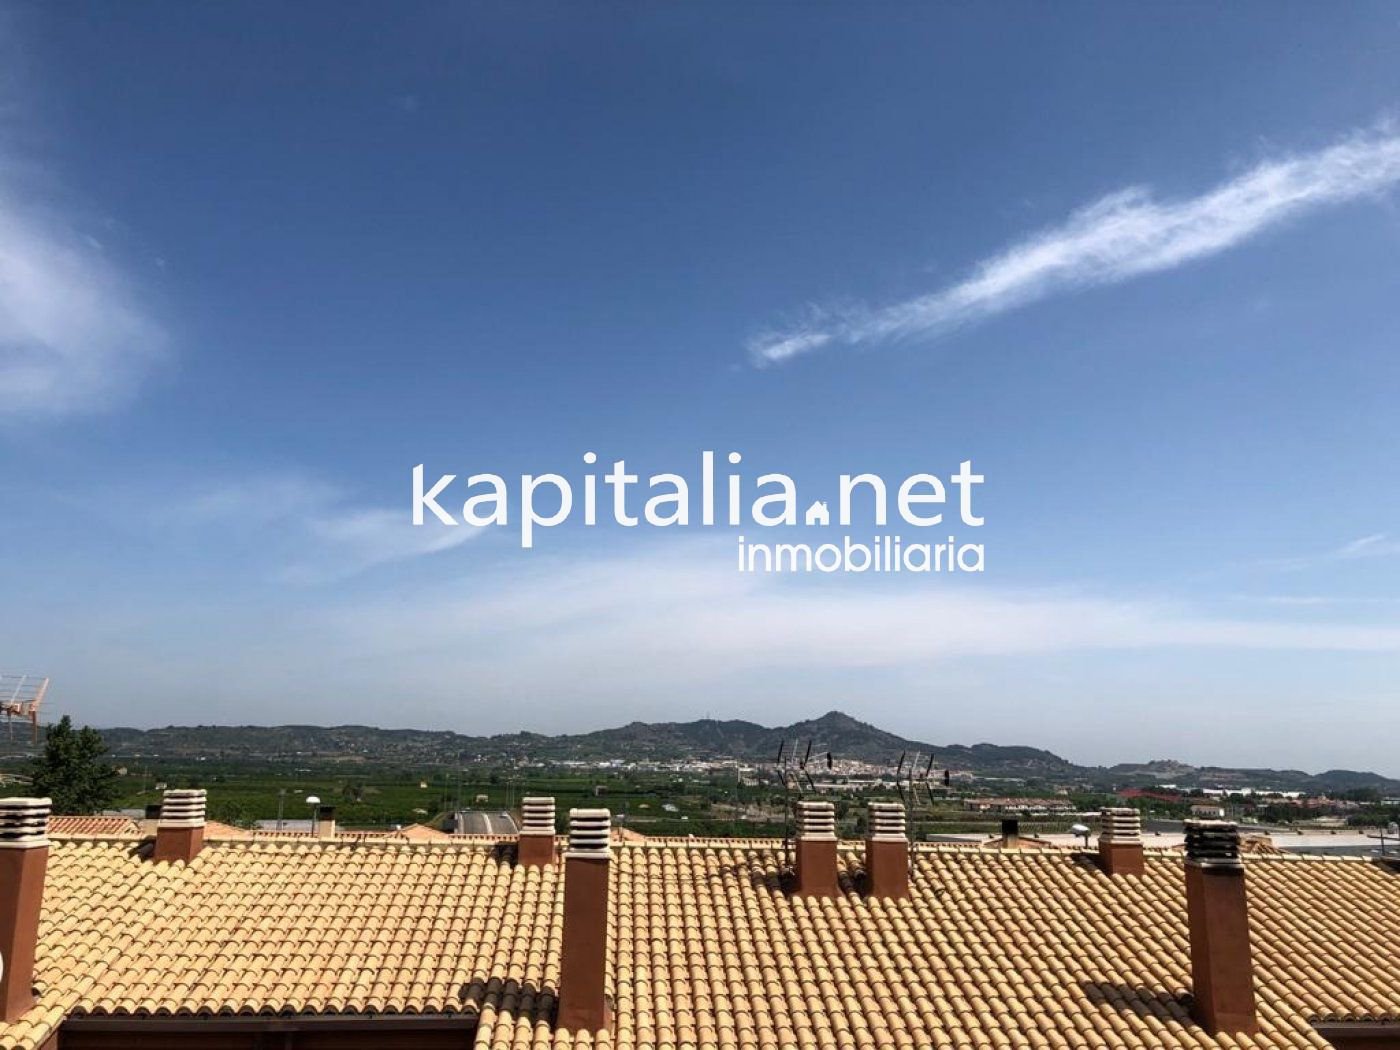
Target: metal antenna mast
[20, 697]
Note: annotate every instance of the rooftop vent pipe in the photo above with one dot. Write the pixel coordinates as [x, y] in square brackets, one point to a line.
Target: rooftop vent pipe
[1010, 832]
[1222, 968]
[24, 857]
[887, 850]
[583, 963]
[180, 829]
[536, 844]
[1120, 841]
[816, 850]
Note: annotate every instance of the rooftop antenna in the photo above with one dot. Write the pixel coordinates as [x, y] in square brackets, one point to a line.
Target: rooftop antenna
[911, 786]
[802, 768]
[825, 756]
[782, 763]
[928, 771]
[20, 697]
[909, 773]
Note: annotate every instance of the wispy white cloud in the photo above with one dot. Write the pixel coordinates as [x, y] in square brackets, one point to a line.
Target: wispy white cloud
[686, 613]
[1379, 545]
[314, 532]
[74, 336]
[354, 539]
[1331, 600]
[1124, 235]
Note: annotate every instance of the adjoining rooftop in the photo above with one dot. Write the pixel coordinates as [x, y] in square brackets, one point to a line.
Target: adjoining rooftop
[707, 945]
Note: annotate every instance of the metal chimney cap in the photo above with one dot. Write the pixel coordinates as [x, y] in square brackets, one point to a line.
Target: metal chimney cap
[1213, 844]
[24, 822]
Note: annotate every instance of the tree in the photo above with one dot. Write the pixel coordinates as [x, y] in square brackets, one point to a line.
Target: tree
[232, 811]
[71, 770]
[1368, 795]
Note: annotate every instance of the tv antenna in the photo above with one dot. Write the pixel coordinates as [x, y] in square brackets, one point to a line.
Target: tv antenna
[20, 697]
[912, 772]
[794, 773]
[784, 767]
[806, 760]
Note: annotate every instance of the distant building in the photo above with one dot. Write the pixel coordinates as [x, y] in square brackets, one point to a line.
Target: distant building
[1022, 806]
[1156, 796]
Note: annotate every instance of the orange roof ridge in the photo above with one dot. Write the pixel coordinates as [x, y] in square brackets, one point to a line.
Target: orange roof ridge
[63, 825]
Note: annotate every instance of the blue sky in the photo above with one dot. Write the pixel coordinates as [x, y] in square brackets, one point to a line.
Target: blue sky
[1141, 266]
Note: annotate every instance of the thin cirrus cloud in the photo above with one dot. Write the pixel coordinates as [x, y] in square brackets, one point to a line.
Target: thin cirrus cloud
[74, 337]
[1124, 235]
[690, 613]
[1379, 545]
[1376, 545]
[311, 532]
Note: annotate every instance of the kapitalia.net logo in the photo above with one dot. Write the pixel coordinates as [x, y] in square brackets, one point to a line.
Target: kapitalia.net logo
[769, 501]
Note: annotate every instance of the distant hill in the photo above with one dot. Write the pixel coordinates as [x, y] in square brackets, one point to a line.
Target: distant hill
[846, 737]
[706, 738]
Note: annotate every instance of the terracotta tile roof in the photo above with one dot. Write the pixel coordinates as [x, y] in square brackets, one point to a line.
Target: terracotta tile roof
[994, 949]
[217, 832]
[1258, 845]
[422, 833]
[100, 826]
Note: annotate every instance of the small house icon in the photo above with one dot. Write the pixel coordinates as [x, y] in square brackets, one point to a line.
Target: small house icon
[817, 514]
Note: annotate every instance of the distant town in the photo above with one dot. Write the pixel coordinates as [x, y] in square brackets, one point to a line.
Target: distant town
[715, 778]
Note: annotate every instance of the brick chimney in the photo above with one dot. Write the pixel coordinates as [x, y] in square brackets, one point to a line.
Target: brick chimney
[180, 830]
[24, 856]
[583, 960]
[325, 822]
[1120, 841]
[536, 844]
[1222, 970]
[887, 851]
[816, 850]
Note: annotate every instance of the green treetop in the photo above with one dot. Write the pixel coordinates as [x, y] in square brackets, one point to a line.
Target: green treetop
[71, 770]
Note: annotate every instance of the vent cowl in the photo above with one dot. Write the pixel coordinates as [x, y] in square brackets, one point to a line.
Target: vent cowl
[816, 820]
[887, 822]
[24, 822]
[1120, 824]
[537, 816]
[1213, 844]
[590, 832]
[182, 808]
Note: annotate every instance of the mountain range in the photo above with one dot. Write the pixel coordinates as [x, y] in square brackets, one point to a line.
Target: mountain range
[843, 736]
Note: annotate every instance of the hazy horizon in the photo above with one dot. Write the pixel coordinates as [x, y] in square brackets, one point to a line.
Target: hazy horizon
[907, 736]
